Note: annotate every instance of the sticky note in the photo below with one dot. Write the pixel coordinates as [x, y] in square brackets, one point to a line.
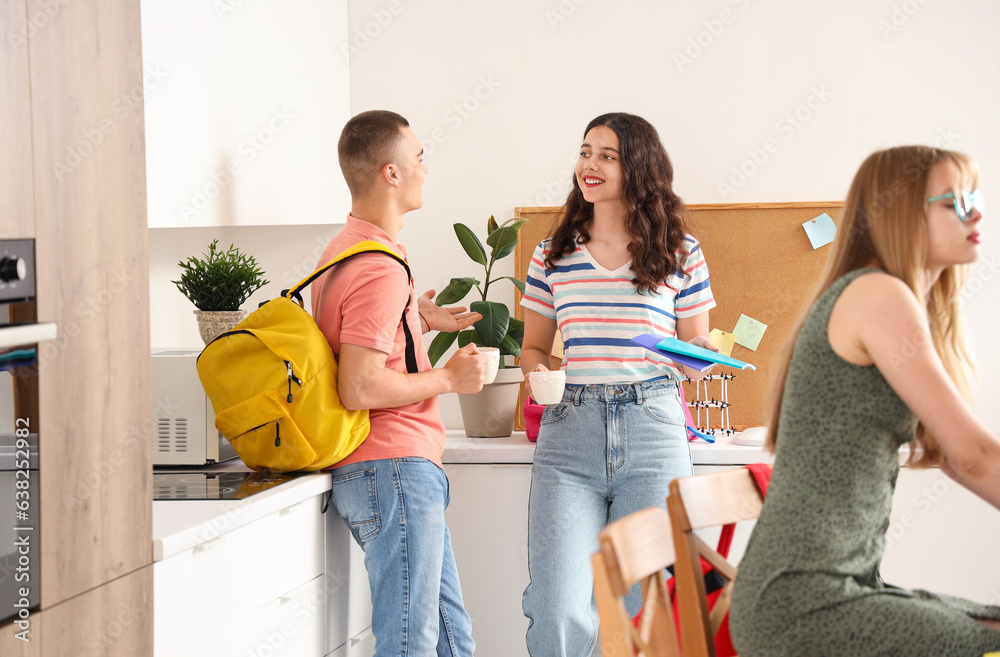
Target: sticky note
[724, 341]
[748, 332]
[820, 230]
[557, 345]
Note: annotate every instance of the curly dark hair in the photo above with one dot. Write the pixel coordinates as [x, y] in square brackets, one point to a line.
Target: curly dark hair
[654, 217]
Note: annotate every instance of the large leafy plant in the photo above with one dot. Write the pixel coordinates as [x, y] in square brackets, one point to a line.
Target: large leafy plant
[497, 328]
[223, 280]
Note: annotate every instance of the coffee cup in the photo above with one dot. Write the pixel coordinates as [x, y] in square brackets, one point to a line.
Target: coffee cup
[547, 387]
[492, 363]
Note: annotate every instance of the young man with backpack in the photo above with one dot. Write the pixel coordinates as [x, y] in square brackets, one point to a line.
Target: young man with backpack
[391, 491]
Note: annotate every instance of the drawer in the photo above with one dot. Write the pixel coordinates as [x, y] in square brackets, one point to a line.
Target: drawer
[294, 624]
[203, 596]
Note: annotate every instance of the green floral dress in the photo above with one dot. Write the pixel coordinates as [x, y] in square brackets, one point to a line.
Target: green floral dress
[809, 584]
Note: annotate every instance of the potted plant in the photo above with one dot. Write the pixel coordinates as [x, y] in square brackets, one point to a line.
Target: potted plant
[490, 412]
[218, 285]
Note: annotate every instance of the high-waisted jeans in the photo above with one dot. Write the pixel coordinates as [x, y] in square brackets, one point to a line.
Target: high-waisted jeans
[604, 452]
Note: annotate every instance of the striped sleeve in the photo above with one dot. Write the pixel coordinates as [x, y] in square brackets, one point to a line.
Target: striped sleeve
[695, 296]
[537, 293]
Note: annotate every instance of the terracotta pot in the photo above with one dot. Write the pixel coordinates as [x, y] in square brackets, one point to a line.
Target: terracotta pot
[213, 322]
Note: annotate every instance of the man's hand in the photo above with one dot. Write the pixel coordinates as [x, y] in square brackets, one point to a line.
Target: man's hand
[437, 318]
[467, 369]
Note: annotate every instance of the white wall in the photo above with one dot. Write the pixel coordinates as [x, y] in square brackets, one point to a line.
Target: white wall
[500, 94]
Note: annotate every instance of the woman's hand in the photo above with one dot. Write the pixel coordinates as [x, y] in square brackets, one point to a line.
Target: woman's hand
[527, 379]
[437, 318]
[704, 342]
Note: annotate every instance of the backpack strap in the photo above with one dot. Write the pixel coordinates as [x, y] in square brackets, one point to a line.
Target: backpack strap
[367, 246]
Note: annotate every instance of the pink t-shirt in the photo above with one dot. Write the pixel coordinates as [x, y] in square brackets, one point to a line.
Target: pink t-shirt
[360, 302]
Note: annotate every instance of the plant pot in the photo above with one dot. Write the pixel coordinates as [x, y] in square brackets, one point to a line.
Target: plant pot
[490, 412]
[211, 323]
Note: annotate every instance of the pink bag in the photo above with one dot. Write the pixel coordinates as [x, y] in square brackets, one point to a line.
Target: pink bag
[532, 417]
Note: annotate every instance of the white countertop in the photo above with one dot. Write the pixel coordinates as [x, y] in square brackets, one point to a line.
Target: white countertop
[516, 448]
[180, 525]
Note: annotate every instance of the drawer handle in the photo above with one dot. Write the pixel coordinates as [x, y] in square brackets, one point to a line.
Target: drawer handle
[292, 509]
[209, 545]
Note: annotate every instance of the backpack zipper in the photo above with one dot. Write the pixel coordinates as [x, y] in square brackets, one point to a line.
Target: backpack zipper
[291, 377]
[277, 433]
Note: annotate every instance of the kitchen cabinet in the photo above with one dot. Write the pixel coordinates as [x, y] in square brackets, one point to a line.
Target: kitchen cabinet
[488, 519]
[16, 189]
[349, 607]
[244, 103]
[257, 589]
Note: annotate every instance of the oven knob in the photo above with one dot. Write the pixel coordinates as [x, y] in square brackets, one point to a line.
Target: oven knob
[13, 269]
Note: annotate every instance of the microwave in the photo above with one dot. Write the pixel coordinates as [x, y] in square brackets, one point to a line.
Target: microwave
[184, 430]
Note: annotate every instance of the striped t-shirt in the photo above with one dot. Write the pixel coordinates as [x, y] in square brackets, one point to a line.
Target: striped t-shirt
[599, 311]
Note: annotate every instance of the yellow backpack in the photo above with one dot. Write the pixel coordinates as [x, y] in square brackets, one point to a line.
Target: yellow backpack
[272, 381]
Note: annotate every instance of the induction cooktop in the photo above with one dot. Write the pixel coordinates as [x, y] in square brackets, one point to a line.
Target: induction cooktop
[213, 485]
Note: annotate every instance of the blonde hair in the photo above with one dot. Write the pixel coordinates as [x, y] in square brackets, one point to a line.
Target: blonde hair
[884, 219]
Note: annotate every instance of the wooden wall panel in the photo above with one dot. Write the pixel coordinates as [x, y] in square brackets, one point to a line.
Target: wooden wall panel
[17, 218]
[91, 244]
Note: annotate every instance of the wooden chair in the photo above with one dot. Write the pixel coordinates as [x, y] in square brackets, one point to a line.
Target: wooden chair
[636, 548]
[699, 502]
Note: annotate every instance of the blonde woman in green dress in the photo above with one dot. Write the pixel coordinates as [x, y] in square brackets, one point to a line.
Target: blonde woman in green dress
[878, 361]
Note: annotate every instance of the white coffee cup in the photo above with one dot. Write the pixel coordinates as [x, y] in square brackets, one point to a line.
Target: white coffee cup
[492, 363]
[547, 387]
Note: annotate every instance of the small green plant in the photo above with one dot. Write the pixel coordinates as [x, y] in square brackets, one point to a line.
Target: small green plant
[224, 280]
[497, 328]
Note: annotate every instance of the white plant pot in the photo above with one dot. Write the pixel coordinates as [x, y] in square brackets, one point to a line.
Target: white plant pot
[213, 322]
[490, 412]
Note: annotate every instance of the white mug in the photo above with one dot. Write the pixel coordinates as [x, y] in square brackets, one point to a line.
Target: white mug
[492, 363]
[547, 387]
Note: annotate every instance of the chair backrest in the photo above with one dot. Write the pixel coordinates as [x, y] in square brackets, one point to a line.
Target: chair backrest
[636, 548]
[699, 502]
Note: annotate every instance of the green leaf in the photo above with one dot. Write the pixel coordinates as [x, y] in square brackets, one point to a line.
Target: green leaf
[505, 242]
[492, 328]
[516, 329]
[455, 291]
[439, 345]
[510, 346]
[491, 226]
[471, 244]
[467, 336]
[518, 283]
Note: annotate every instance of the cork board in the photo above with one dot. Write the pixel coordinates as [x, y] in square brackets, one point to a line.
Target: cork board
[761, 265]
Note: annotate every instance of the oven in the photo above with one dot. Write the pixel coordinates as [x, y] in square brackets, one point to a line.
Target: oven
[20, 335]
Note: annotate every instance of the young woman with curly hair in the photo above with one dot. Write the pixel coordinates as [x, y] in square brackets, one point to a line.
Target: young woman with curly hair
[618, 264]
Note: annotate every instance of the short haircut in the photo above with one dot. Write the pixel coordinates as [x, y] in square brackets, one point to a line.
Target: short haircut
[368, 142]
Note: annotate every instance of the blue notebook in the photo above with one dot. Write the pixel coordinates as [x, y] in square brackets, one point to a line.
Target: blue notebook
[684, 353]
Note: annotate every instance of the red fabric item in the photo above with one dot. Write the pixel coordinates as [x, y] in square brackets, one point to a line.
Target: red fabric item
[723, 644]
[532, 418]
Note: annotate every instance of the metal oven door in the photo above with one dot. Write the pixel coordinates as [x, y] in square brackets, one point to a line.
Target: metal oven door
[20, 553]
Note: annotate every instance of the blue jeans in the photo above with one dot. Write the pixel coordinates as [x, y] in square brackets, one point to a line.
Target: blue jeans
[395, 510]
[604, 452]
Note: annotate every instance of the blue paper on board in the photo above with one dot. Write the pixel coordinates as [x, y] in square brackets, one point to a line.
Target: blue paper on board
[820, 230]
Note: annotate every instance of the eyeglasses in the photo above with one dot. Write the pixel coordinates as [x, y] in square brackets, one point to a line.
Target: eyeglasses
[965, 202]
